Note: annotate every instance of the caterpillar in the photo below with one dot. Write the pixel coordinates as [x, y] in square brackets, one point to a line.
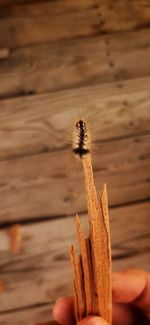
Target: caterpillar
[81, 139]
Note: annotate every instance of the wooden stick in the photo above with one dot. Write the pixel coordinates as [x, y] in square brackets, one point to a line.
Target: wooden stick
[78, 284]
[95, 251]
[86, 268]
[100, 240]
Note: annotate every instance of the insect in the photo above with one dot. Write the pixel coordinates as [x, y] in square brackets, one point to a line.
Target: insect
[81, 139]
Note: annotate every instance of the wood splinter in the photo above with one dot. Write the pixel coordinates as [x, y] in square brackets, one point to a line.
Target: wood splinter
[92, 268]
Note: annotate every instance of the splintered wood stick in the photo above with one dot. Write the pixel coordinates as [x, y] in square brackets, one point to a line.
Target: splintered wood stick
[99, 235]
[78, 284]
[87, 266]
[95, 291]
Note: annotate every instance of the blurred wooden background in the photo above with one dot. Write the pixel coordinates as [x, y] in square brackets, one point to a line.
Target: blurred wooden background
[59, 59]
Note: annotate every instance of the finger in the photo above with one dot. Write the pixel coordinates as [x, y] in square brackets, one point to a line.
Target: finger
[63, 311]
[124, 314]
[93, 321]
[143, 300]
[128, 285]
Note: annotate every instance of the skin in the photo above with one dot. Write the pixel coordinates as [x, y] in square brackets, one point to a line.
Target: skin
[131, 302]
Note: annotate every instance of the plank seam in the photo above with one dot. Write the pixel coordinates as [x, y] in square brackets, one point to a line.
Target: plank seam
[48, 151]
[44, 304]
[24, 221]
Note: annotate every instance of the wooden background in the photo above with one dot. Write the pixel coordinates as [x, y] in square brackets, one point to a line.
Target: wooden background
[59, 59]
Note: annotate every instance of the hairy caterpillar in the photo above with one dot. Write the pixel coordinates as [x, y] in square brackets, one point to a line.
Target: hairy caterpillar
[81, 139]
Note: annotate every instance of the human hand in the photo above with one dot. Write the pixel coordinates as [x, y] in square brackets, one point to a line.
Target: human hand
[131, 302]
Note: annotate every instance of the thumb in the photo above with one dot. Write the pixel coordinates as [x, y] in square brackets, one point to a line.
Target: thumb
[93, 321]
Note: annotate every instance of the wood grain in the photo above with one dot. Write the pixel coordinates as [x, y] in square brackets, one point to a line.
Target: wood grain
[28, 8]
[116, 16]
[73, 63]
[40, 123]
[42, 269]
[7, 2]
[48, 185]
[44, 21]
[28, 316]
[47, 26]
[62, 58]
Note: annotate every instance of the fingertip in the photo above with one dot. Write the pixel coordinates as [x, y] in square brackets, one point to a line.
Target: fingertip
[143, 300]
[63, 311]
[57, 308]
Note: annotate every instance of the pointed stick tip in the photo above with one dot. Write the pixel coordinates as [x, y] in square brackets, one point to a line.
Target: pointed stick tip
[77, 217]
[72, 249]
[78, 222]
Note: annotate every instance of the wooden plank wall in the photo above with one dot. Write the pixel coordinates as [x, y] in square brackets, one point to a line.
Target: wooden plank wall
[60, 59]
